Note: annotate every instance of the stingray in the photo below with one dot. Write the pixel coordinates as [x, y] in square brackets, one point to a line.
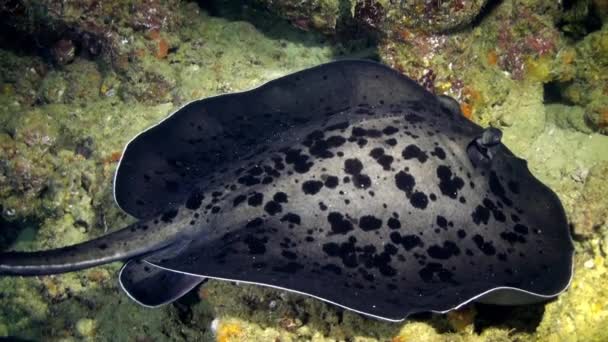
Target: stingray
[346, 182]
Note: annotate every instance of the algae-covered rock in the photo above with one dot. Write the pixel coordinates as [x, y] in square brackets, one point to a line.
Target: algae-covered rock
[581, 313]
[332, 16]
[568, 117]
[592, 211]
[438, 16]
[589, 84]
[321, 15]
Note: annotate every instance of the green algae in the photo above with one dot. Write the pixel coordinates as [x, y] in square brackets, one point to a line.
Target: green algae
[69, 144]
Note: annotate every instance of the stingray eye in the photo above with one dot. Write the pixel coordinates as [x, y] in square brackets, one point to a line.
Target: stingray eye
[482, 149]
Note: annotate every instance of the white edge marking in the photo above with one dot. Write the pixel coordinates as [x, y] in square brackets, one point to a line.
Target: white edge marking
[122, 286]
[375, 316]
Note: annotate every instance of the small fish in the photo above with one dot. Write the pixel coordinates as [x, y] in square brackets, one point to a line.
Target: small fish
[346, 182]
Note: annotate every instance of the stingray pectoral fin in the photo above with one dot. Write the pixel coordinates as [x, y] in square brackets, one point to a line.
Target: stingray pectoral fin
[151, 286]
[511, 296]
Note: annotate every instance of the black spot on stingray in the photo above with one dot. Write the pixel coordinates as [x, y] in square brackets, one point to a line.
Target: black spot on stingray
[461, 233]
[273, 208]
[369, 222]
[322, 206]
[299, 161]
[291, 218]
[384, 160]
[331, 182]
[376, 152]
[405, 182]
[345, 251]
[444, 252]
[353, 166]
[215, 210]
[438, 152]
[194, 200]
[498, 190]
[442, 222]
[414, 152]
[449, 184]
[486, 247]
[339, 225]
[248, 180]
[393, 223]
[435, 273]
[391, 141]
[481, 214]
[291, 268]
[419, 200]
[513, 186]
[407, 241]
[256, 245]
[361, 142]
[358, 132]
[312, 187]
[498, 214]
[280, 197]
[255, 171]
[103, 246]
[238, 200]
[362, 181]
[289, 255]
[255, 199]
[390, 130]
[512, 238]
[168, 215]
[320, 147]
[521, 229]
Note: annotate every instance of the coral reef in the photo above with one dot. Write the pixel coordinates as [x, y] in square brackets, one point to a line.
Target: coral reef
[100, 72]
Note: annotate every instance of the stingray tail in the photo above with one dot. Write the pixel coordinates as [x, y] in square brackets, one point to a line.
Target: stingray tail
[120, 245]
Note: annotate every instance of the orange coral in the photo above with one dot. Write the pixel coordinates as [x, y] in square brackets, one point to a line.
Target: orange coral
[163, 48]
[603, 121]
[467, 110]
[492, 57]
[114, 157]
[203, 293]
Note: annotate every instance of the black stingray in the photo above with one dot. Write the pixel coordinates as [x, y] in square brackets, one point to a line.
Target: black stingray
[347, 182]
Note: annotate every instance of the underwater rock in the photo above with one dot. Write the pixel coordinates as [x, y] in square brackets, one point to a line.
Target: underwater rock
[433, 16]
[63, 51]
[332, 16]
[591, 212]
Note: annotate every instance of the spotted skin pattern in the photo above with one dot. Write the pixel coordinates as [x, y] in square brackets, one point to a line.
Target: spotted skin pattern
[371, 203]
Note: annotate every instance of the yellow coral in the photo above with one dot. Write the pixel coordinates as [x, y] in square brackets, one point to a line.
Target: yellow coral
[229, 332]
[462, 320]
[539, 69]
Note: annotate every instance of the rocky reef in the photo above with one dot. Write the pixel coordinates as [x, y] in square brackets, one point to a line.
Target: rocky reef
[95, 73]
